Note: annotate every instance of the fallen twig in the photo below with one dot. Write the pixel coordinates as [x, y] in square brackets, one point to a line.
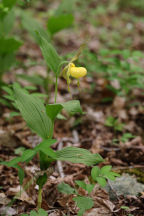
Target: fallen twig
[59, 163]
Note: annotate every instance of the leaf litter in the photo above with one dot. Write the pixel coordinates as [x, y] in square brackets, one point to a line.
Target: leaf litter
[93, 135]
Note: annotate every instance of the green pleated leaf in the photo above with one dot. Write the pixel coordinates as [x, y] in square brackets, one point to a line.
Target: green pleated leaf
[28, 155]
[11, 163]
[32, 25]
[78, 155]
[45, 148]
[61, 117]
[35, 79]
[9, 45]
[51, 56]
[9, 3]
[21, 174]
[6, 24]
[6, 61]
[72, 107]
[59, 22]
[52, 110]
[33, 111]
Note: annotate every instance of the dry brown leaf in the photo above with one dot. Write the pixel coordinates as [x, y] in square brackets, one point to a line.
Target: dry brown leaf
[102, 207]
[97, 116]
[119, 102]
[98, 212]
[3, 199]
[7, 139]
[7, 211]
[23, 196]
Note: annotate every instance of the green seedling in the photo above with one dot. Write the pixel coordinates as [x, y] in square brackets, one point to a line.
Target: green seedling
[113, 123]
[40, 212]
[87, 187]
[98, 175]
[115, 141]
[83, 202]
[102, 175]
[126, 136]
[116, 66]
[127, 209]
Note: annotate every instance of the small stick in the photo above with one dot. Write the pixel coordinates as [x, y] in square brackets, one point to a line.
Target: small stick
[59, 163]
[75, 136]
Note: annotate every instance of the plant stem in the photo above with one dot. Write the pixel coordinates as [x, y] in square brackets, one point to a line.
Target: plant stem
[57, 75]
[39, 198]
[47, 85]
[56, 88]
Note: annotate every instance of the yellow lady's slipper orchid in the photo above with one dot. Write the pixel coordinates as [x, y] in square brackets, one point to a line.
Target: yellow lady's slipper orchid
[72, 71]
[77, 72]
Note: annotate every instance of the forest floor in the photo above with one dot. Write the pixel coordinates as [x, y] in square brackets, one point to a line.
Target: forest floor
[123, 197]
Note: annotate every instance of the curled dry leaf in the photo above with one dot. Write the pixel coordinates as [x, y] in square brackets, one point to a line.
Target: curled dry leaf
[97, 116]
[7, 139]
[7, 211]
[23, 196]
[102, 207]
[3, 199]
[119, 102]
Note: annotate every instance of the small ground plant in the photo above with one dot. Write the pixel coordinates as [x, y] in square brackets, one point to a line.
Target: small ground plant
[114, 123]
[97, 175]
[40, 212]
[121, 68]
[126, 137]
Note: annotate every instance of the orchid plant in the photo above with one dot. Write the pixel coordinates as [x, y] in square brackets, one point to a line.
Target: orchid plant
[40, 118]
